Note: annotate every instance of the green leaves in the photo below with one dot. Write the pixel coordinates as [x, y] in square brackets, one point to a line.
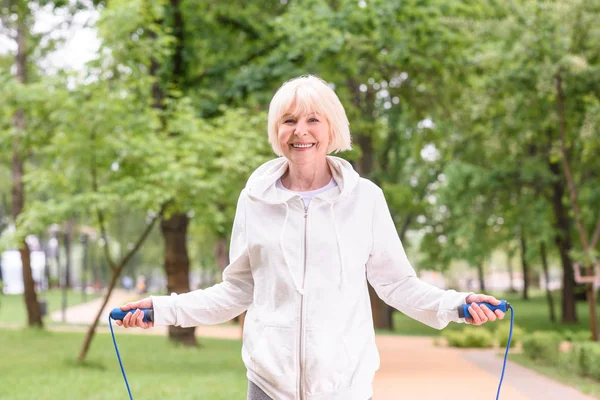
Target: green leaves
[452, 107]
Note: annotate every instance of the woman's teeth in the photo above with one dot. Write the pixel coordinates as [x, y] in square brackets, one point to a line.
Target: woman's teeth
[302, 145]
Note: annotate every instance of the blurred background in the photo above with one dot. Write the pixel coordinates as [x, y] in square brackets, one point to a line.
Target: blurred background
[129, 128]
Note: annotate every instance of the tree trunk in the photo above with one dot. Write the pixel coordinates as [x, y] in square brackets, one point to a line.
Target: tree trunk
[382, 313]
[592, 307]
[481, 277]
[92, 328]
[524, 265]
[366, 162]
[222, 257]
[511, 274]
[562, 238]
[174, 230]
[590, 290]
[220, 253]
[379, 310]
[115, 270]
[547, 280]
[382, 316]
[34, 314]
[177, 267]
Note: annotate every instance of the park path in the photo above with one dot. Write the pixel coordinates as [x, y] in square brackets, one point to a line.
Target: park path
[411, 367]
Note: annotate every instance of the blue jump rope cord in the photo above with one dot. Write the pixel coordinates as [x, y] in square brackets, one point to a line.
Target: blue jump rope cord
[119, 357]
[512, 321]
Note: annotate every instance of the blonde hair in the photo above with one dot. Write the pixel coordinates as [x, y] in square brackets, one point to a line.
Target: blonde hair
[305, 94]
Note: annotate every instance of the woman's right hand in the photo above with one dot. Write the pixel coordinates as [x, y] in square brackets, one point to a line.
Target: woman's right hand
[135, 320]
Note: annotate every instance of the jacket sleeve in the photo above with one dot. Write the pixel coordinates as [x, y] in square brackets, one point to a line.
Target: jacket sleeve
[395, 281]
[218, 303]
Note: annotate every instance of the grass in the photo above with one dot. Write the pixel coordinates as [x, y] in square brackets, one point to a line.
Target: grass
[41, 365]
[531, 315]
[13, 311]
[585, 385]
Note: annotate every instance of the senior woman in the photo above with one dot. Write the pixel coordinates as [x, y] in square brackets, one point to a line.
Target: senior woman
[308, 235]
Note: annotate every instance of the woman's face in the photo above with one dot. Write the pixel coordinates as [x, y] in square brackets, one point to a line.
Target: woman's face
[305, 138]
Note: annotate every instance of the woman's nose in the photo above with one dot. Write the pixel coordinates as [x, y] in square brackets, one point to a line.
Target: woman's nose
[299, 132]
[301, 129]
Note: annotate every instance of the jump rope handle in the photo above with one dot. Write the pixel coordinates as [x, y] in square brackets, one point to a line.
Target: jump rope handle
[463, 311]
[118, 314]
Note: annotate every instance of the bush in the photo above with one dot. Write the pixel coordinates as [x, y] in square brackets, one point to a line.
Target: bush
[576, 336]
[502, 332]
[542, 347]
[584, 359]
[470, 338]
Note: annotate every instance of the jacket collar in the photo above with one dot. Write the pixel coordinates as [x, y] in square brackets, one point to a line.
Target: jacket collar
[261, 184]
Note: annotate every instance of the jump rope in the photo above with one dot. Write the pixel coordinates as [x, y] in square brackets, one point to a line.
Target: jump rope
[463, 312]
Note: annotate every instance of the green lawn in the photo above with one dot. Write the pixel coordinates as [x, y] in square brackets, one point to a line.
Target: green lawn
[13, 311]
[530, 315]
[40, 365]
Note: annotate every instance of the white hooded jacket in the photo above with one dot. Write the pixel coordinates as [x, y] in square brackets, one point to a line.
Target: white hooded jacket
[302, 275]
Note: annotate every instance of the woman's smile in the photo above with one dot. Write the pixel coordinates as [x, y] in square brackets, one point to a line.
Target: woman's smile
[302, 146]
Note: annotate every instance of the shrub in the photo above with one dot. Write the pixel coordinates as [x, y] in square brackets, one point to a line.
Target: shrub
[542, 347]
[502, 332]
[568, 361]
[470, 338]
[584, 358]
[576, 336]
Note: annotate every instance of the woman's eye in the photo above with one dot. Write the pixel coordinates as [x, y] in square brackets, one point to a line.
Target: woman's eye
[289, 121]
[313, 120]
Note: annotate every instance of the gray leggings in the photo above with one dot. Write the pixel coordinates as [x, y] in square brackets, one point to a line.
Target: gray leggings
[255, 393]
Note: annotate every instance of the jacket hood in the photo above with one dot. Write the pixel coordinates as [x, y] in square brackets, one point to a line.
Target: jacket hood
[261, 184]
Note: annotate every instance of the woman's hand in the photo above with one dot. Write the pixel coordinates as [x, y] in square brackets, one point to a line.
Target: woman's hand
[481, 314]
[135, 320]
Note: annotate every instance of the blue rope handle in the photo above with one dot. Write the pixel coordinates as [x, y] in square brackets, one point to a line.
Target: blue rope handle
[119, 357]
[512, 321]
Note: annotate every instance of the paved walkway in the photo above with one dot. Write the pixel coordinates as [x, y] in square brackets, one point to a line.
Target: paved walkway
[411, 367]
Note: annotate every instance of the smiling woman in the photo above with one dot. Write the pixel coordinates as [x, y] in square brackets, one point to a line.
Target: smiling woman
[309, 96]
[309, 234]
[306, 122]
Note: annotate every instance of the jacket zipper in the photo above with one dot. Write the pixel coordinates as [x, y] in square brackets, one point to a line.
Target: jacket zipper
[301, 347]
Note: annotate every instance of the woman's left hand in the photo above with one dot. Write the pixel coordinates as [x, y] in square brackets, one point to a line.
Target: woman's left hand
[481, 314]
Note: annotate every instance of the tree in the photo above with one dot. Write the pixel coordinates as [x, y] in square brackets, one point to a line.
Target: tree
[385, 61]
[90, 167]
[17, 19]
[525, 44]
[20, 33]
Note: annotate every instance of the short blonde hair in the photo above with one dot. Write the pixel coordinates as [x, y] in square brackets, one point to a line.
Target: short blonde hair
[304, 94]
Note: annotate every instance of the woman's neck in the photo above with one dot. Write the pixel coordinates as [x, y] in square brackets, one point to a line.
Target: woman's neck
[306, 177]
